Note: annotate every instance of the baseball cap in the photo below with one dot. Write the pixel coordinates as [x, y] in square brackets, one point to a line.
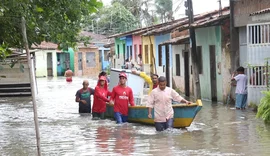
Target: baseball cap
[123, 75]
[102, 78]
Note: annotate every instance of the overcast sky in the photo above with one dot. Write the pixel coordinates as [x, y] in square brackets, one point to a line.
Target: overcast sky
[199, 6]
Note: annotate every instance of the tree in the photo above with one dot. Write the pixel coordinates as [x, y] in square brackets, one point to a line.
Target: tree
[164, 9]
[141, 10]
[111, 20]
[57, 21]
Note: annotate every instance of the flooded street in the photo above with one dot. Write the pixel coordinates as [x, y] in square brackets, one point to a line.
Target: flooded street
[217, 129]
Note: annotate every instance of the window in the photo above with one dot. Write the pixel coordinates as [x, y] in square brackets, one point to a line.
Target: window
[257, 75]
[106, 55]
[159, 55]
[140, 49]
[199, 59]
[259, 34]
[127, 52]
[90, 59]
[177, 60]
[146, 54]
[130, 50]
[118, 51]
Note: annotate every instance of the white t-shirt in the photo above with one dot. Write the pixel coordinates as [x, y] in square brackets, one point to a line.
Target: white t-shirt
[241, 86]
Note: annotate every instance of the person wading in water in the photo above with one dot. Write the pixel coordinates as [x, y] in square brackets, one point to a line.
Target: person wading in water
[68, 75]
[83, 97]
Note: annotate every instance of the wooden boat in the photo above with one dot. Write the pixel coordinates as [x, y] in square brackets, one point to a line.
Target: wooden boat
[183, 114]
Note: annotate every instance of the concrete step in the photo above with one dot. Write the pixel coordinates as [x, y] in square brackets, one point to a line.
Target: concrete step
[15, 94]
[14, 85]
[15, 89]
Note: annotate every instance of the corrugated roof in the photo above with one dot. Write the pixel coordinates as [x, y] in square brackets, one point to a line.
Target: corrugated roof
[176, 40]
[45, 45]
[213, 19]
[95, 38]
[145, 29]
[199, 20]
[267, 10]
[82, 45]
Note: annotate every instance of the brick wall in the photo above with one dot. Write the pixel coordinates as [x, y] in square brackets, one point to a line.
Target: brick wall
[87, 71]
[243, 9]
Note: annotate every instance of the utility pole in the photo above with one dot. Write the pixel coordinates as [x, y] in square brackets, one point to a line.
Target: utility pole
[194, 58]
[30, 64]
[220, 8]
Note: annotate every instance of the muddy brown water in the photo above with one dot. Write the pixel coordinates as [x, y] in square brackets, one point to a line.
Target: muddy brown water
[216, 130]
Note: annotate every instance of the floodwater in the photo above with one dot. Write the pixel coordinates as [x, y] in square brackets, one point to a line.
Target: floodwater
[216, 130]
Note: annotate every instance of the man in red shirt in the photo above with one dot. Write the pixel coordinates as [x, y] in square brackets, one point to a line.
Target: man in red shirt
[121, 96]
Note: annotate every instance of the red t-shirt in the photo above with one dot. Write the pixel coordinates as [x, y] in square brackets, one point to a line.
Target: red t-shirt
[155, 86]
[121, 97]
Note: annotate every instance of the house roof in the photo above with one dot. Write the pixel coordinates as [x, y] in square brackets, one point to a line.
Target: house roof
[82, 45]
[264, 11]
[45, 45]
[177, 40]
[145, 29]
[95, 38]
[208, 19]
[204, 19]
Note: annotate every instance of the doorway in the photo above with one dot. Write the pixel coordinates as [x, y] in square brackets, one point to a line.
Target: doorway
[213, 77]
[167, 58]
[80, 68]
[49, 65]
[186, 67]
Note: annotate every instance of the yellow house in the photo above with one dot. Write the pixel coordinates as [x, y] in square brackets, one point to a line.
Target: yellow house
[148, 54]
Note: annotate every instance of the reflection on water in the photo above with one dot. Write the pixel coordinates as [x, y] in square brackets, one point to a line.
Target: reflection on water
[217, 129]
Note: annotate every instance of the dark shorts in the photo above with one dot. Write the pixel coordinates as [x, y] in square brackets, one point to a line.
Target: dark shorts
[161, 126]
[84, 109]
[98, 115]
[120, 118]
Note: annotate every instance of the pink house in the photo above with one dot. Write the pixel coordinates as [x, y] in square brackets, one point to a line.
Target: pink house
[137, 47]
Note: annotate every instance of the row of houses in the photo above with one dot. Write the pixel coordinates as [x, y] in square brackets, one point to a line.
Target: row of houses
[165, 50]
[226, 39]
[84, 60]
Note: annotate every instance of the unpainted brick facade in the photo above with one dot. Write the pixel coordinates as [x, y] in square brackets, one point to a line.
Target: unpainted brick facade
[86, 70]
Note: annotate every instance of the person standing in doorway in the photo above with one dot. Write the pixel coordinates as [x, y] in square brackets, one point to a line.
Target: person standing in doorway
[100, 99]
[83, 96]
[161, 100]
[241, 88]
[68, 75]
[121, 97]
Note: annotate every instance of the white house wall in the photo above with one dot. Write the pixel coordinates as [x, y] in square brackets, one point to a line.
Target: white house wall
[41, 63]
[178, 80]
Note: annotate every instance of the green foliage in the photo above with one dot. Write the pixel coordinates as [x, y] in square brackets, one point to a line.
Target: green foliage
[4, 51]
[264, 107]
[110, 20]
[164, 9]
[58, 21]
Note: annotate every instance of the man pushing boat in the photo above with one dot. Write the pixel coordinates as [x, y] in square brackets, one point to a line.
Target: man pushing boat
[161, 100]
[121, 96]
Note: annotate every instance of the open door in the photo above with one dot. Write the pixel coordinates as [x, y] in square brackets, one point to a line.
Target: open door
[80, 69]
[186, 66]
[213, 77]
[49, 65]
[167, 58]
